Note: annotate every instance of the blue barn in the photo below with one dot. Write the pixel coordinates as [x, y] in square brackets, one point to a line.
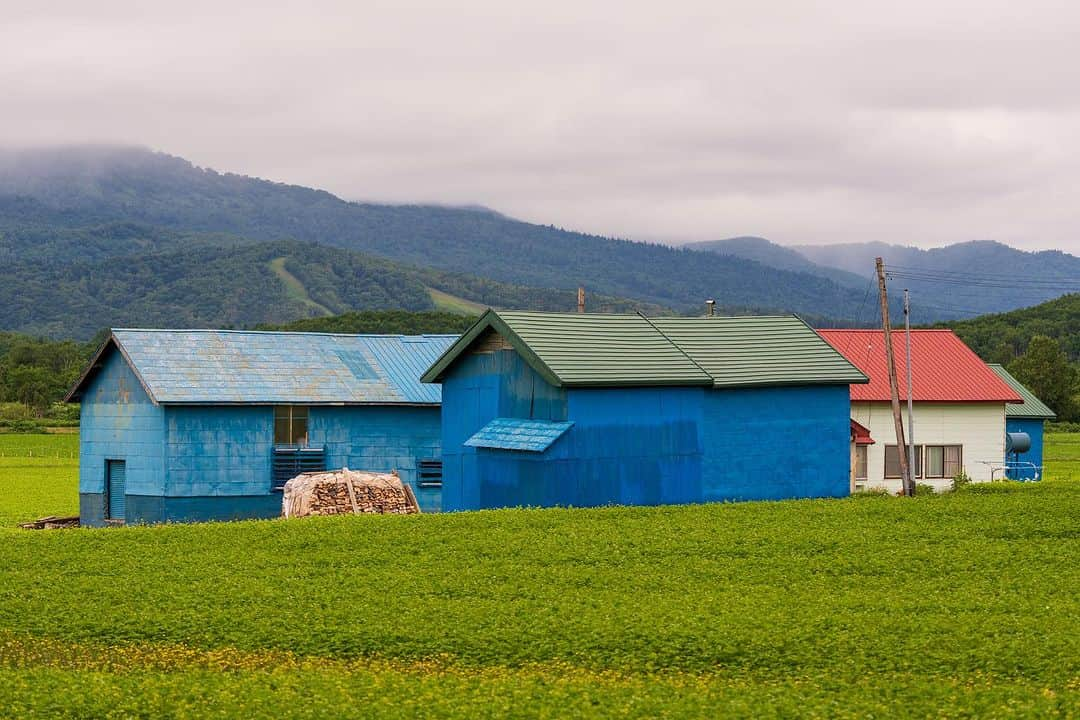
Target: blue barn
[550, 409]
[1026, 417]
[189, 425]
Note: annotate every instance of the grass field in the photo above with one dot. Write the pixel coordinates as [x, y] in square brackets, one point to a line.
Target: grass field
[1062, 456]
[294, 288]
[961, 605]
[39, 476]
[454, 304]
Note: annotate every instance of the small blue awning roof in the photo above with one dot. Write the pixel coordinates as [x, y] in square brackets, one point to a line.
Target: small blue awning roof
[216, 367]
[519, 434]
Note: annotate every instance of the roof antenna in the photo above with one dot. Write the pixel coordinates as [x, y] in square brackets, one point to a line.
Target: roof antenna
[710, 307]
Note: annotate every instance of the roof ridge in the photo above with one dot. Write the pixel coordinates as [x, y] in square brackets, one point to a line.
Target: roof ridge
[637, 313]
[879, 330]
[283, 332]
[678, 347]
[725, 317]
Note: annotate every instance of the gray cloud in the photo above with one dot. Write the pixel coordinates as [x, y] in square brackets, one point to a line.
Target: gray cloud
[806, 122]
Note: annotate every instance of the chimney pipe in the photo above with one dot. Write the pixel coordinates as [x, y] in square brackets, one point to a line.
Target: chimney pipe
[710, 307]
[581, 299]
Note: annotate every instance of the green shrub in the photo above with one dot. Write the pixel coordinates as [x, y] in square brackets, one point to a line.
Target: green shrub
[22, 426]
[871, 492]
[15, 411]
[63, 414]
[961, 480]
[1063, 427]
[924, 489]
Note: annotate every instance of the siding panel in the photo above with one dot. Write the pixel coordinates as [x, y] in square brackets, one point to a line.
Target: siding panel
[118, 422]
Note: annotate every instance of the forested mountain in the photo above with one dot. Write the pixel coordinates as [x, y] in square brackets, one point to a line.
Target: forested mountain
[1039, 345]
[83, 186]
[379, 322]
[221, 281]
[961, 280]
[1004, 337]
[777, 256]
[91, 218]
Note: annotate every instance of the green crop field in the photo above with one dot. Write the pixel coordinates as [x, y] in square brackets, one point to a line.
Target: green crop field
[960, 605]
[39, 476]
[1062, 456]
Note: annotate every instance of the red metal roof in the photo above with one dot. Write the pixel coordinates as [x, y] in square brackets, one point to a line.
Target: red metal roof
[861, 434]
[943, 368]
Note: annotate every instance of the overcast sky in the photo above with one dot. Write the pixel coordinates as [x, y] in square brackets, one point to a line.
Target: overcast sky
[915, 122]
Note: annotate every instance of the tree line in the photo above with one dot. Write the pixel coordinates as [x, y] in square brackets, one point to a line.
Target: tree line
[1039, 346]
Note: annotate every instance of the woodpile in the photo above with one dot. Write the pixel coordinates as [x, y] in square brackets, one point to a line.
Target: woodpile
[52, 522]
[343, 492]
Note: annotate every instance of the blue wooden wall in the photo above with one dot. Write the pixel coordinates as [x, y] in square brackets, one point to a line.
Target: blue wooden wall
[1034, 428]
[218, 451]
[194, 463]
[219, 457]
[217, 464]
[779, 442]
[641, 446]
[381, 438]
[485, 386]
[118, 422]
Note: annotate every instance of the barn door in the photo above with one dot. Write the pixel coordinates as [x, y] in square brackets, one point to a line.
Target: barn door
[116, 472]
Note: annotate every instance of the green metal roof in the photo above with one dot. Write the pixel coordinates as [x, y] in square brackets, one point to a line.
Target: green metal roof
[1032, 407]
[763, 350]
[584, 349]
[621, 350]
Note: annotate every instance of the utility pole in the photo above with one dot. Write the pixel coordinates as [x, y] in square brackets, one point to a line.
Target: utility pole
[912, 465]
[894, 391]
[581, 299]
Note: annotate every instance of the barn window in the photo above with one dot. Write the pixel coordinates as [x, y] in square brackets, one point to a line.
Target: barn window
[892, 461]
[291, 425]
[429, 473]
[943, 461]
[860, 462]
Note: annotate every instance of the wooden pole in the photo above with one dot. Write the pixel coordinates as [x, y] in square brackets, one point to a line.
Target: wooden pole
[581, 299]
[912, 465]
[894, 390]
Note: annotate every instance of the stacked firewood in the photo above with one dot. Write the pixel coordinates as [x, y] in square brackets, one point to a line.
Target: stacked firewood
[343, 492]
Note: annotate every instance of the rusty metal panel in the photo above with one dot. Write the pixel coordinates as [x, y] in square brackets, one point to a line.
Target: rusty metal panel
[240, 367]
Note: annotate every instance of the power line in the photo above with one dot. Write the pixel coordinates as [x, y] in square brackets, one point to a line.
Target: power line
[1022, 285]
[858, 316]
[941, 308]
[1040, 291]
[984, 275]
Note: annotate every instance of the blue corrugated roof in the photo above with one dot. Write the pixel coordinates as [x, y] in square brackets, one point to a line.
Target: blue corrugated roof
[519, 434]
[226, 366]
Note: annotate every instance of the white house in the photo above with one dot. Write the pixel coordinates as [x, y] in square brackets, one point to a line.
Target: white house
[959, 408]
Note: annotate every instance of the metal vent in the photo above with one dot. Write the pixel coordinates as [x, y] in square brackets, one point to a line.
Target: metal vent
[429, 473]
[288, 462]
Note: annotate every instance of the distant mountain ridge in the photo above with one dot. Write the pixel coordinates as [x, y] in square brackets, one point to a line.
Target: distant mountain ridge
[778, 256]
[218, 281]
[102, 210]
[76, 187]
[956, 281]
[969, 278]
